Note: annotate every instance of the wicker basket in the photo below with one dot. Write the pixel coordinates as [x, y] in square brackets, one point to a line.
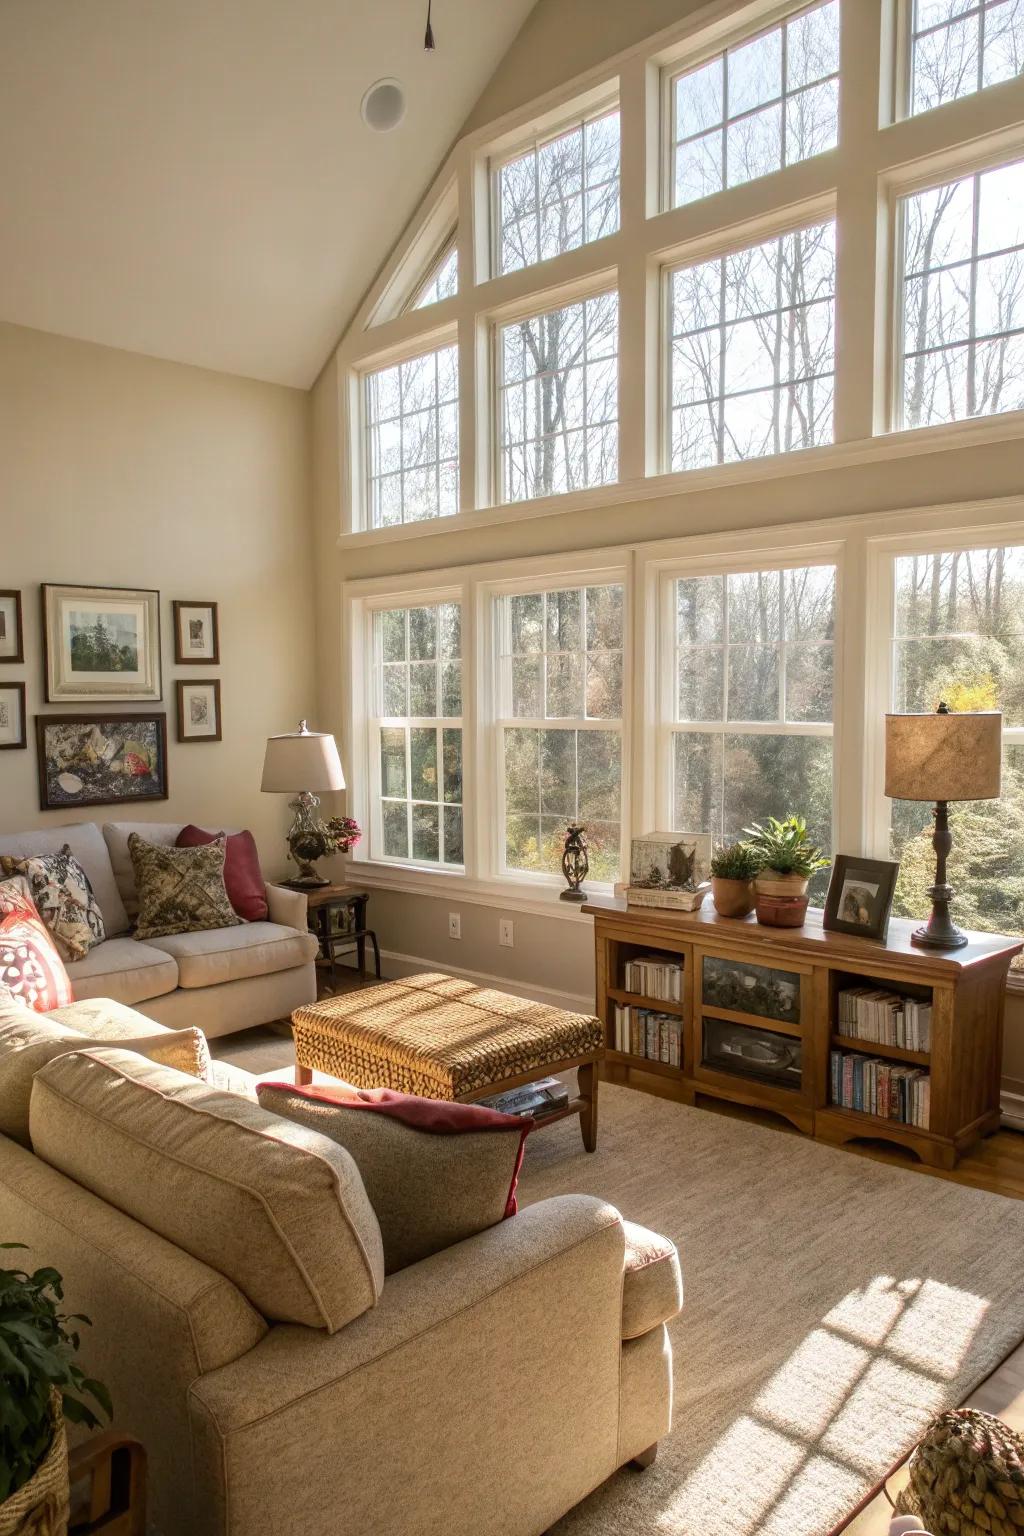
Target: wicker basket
[967, 1477]
[41, 1506]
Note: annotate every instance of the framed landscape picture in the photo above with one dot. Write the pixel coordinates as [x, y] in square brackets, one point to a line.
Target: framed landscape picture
[860, 896]
[12, 716]
[12, 644]
[103, 759]
[199, 709]
[196, 634]
[101, 644]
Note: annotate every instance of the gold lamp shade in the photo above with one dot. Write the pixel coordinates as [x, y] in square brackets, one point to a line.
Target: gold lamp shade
[943, 756]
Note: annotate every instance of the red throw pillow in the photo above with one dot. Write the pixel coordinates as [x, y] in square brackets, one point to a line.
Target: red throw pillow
[30, 965]
[436, 1172]
[242, 874]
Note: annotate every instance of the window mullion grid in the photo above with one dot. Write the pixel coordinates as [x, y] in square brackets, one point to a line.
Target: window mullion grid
[783, 114]
[721, 358]
[981, 47]
[782, 648]
[726, 616]
[972, 341]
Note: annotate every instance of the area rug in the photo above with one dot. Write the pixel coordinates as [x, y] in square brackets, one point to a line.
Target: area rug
[833, 1305]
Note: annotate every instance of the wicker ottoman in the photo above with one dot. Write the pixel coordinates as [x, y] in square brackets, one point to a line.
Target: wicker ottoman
[443, 1038]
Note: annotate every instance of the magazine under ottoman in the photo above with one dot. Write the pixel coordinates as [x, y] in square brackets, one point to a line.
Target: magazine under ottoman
[444, 1038]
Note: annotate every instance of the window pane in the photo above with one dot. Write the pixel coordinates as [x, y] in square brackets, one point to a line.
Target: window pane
[412, 439]
[963, 299]
[442, 282]
[765, 103]
[559, 400]
[752, 350]
[958, 47]
[561, 194]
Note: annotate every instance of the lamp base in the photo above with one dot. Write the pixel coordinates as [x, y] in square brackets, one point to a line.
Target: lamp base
[940, 931]
[307, 882]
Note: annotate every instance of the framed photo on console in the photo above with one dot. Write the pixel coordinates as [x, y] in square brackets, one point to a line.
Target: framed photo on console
[12, 716]
[196, 634]
[12, 640]
[860, 896]
[101, 645]
[199, 709]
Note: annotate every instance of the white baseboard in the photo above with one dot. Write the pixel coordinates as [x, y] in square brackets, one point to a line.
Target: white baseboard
[1012, 1106]
[394, 966]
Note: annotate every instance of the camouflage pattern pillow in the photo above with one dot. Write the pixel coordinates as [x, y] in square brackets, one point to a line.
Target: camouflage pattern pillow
[63, 898]
[180, 890]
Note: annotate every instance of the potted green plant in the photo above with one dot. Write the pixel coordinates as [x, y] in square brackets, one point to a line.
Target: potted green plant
[40, 1386]
[788, 860]
[732, 879]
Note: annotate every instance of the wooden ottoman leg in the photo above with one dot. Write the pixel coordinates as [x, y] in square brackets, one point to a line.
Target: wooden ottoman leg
[303, 1076]
[586, 1077]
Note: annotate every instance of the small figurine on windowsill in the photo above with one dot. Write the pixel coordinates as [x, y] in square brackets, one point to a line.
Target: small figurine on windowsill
[575, 862]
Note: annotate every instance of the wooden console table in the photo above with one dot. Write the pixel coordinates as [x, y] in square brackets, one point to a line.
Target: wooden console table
[791, 980]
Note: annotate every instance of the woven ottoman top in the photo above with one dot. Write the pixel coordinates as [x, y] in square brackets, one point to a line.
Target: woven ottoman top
[437, 1036]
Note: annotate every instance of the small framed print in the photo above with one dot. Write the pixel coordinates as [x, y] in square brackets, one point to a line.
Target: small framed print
[199, 709]
[101, 644]
[12, 716]
[12, 640]
[860, 894]
[196, 634]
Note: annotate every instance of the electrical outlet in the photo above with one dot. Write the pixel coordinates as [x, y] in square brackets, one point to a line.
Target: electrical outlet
[455, 925]
[506, 933]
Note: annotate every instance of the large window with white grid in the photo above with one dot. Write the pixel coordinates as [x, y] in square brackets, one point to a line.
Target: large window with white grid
[412, 439]
[560, 193]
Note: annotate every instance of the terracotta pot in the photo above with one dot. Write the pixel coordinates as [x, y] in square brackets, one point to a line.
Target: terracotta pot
[40, 1507]
[732, 898]
[770, 883]
[781, 899]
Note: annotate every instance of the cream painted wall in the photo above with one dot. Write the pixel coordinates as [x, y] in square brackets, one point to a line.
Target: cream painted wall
[124, 471]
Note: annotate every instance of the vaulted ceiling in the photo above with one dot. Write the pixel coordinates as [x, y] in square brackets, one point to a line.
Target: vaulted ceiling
[192, 178]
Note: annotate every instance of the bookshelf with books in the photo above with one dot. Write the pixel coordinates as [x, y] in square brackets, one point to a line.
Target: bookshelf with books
[848, 1038]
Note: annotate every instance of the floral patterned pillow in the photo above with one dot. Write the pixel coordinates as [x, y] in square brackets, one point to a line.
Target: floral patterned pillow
[180, 890]
[64, 899]
[30, 966]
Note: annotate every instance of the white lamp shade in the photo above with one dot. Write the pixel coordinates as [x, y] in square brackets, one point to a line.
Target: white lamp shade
[301, 760]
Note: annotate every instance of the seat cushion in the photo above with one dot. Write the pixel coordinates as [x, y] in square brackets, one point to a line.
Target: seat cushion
[229, 954]
[435, 1173]
[86, 843]
[652, 1289]
[125, 970]
[243, 877]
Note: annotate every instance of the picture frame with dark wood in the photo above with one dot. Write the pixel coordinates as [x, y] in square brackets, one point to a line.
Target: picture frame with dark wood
[13, 729]
[12, 632]
[860, 894]
[101, 759]
[199, 709]
[196, 634]
[101, 645]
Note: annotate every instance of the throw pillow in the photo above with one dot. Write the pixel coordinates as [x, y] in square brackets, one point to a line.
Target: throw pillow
[64, 899]
[30, 966]
[242, 874]
[180, 890]
[435, 1172]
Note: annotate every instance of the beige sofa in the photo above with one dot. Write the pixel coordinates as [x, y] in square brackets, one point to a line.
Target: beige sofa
[221, 980]
[480, 1392]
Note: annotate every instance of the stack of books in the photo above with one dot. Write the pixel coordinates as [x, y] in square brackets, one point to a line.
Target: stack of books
[887, 1018]
[655, 976]
[644, 1032]
[883, 1088]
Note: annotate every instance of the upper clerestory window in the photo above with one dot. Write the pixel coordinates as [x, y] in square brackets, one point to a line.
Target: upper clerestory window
[958, 47]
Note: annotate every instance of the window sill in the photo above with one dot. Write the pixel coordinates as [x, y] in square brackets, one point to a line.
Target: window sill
[884, 448]
[506, 895]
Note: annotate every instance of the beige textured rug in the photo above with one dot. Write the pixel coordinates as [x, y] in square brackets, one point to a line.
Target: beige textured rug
[833, 1304]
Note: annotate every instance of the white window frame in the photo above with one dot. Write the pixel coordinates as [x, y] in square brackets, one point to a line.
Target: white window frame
[904, 61]
[361, 462]
[448, 247]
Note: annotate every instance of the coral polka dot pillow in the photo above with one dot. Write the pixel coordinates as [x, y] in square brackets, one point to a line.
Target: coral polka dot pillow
[30, 966]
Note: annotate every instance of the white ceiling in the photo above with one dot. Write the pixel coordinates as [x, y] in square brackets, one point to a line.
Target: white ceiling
[192, 179]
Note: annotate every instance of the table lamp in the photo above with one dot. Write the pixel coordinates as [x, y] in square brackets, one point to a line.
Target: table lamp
[303, 762]
[943, 757]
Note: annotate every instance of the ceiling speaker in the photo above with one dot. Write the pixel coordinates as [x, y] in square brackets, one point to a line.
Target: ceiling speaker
[383, 106]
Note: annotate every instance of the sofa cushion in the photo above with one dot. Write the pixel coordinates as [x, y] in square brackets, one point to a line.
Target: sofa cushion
[125, 970]
[243, 877]
[652, 1287]
[229, 954]
[28, 1041]
[436, 1173]
[64, 899]
[30, 966]
[88, 846]
[276, 1208]
[116, 835]
[181, 890]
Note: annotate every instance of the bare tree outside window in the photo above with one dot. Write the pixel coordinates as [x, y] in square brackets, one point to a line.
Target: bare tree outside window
[958, 47]
[963, 299]
[559, 391]
[417, 688]
[560, 724]
[753, 350]
[959, 637]
[559, 194]
[442, 281]
[412, 439]
[767, 103]
[754, 682]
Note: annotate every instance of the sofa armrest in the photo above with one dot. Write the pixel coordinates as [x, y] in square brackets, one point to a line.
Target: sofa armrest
[504, 1345]
[286, 907]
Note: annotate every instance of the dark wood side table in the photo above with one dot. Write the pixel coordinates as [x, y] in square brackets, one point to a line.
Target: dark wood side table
[337, 915]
